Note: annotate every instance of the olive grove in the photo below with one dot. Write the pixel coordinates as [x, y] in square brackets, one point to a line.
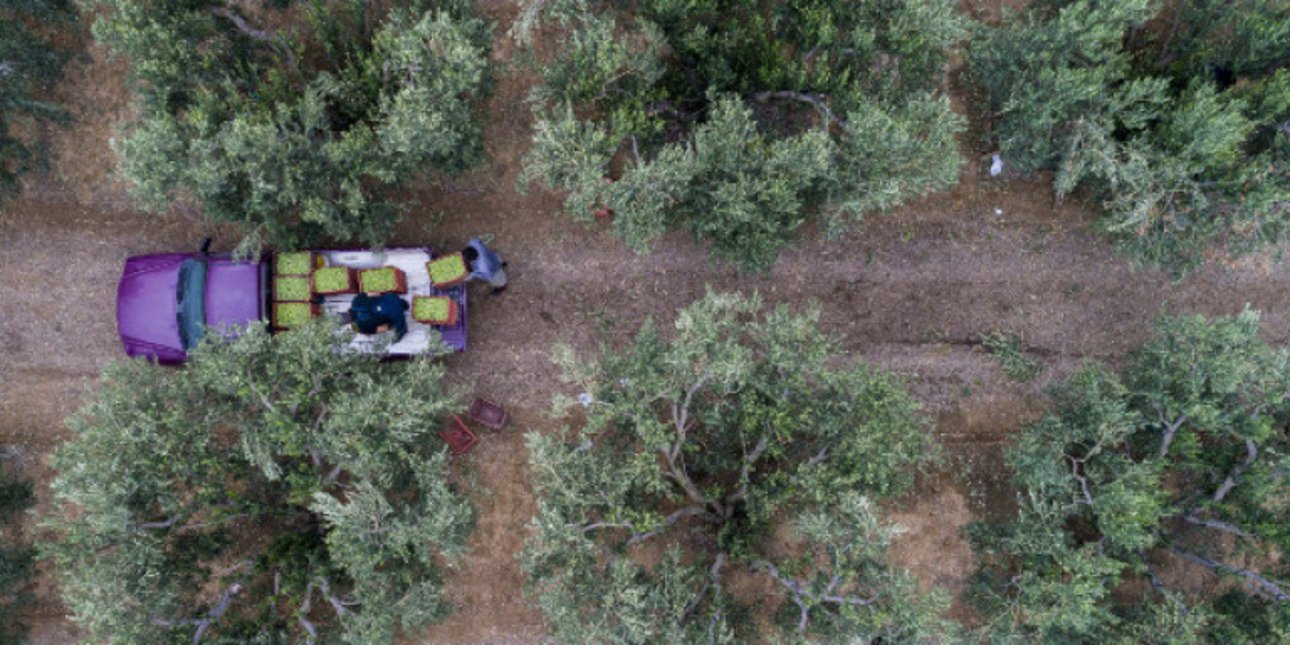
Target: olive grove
[733, 449]
[739, 121]
[275, 489]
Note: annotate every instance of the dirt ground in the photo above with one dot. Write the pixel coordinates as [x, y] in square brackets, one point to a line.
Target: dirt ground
[911, 291]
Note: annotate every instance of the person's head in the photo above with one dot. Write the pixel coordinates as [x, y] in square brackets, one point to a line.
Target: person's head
[470, 254]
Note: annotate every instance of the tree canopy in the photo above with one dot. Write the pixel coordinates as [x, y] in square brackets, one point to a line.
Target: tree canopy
[740, 120]
[735, 449]
[16, 553]
[1182, 130]
[296, 133]
[29, 62]
[1179, 462]
[276, 489]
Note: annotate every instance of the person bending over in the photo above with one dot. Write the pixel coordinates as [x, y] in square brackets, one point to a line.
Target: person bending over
[373, 313]
[484, 264]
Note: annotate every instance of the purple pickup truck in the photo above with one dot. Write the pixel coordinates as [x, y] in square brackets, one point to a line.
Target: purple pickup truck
[165, 302]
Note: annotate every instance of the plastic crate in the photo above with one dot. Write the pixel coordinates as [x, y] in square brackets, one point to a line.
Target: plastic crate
[487, 414]
[448, 270]
[459, 438]
[292, 288]
[290, 311]
[424, 310]
[350, 278]
[293, 263]
[400, 281]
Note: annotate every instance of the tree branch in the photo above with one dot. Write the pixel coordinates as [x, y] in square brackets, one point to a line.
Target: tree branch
[1251, 453]
[746, 469]
[801, 594]
[1151, 573]
[1264, 586]
[1220, 525]
[818, 457]
[1083, 483]
[336, 604]
[606, 525]
[1170, 430]
[691, 490]
[303, 613]
[255, 34]
[242, 25]
[793, 586]
[226, 600]
[169, 522]
[681, 417]
[672, 518]
[714, 578]
[816, 100]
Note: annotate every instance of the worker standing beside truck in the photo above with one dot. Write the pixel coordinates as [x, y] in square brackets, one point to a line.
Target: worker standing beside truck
[485, 265]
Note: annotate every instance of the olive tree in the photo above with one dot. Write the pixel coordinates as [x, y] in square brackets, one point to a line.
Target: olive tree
[1182, 460]
[29, 62]
[16, 553]
[276, 488]
[1184, 137]
[297, 132]
[739, 121]
[738, 448]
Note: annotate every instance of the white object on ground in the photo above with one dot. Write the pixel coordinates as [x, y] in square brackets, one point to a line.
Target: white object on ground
[585, 399]
[996, 165]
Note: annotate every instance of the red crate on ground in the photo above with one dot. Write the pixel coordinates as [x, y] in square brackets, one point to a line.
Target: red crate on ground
[383, 280]
[459, 438]
[487, 414]
[434, 310]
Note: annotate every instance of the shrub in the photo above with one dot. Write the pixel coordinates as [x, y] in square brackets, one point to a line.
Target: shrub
[267, 492]
[302, 134]
[1187, 162]
[740, 122]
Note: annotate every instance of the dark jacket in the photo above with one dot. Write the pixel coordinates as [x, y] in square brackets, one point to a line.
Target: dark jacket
[368, 313]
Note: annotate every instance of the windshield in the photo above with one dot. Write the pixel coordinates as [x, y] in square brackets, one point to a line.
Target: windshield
[191, 299]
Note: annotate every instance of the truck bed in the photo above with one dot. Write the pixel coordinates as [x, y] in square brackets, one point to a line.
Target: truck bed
[412, 261]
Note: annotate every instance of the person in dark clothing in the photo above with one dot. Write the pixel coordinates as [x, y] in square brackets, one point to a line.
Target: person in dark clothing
[373, 313]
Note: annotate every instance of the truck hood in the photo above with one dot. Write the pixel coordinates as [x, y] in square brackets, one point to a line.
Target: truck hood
[145, 307]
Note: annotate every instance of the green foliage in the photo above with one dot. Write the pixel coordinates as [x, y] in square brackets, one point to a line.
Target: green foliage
[291, 288]
[383, 279]
[1185, 163]
[705, 444]
[297, 135]
[447, 269]
[741, 120]
[287, 315]
[274, 489]
[1008, 350]
[1182, 458]
[293, 263]
[332, 279]
[29, 63]
[16, 558]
